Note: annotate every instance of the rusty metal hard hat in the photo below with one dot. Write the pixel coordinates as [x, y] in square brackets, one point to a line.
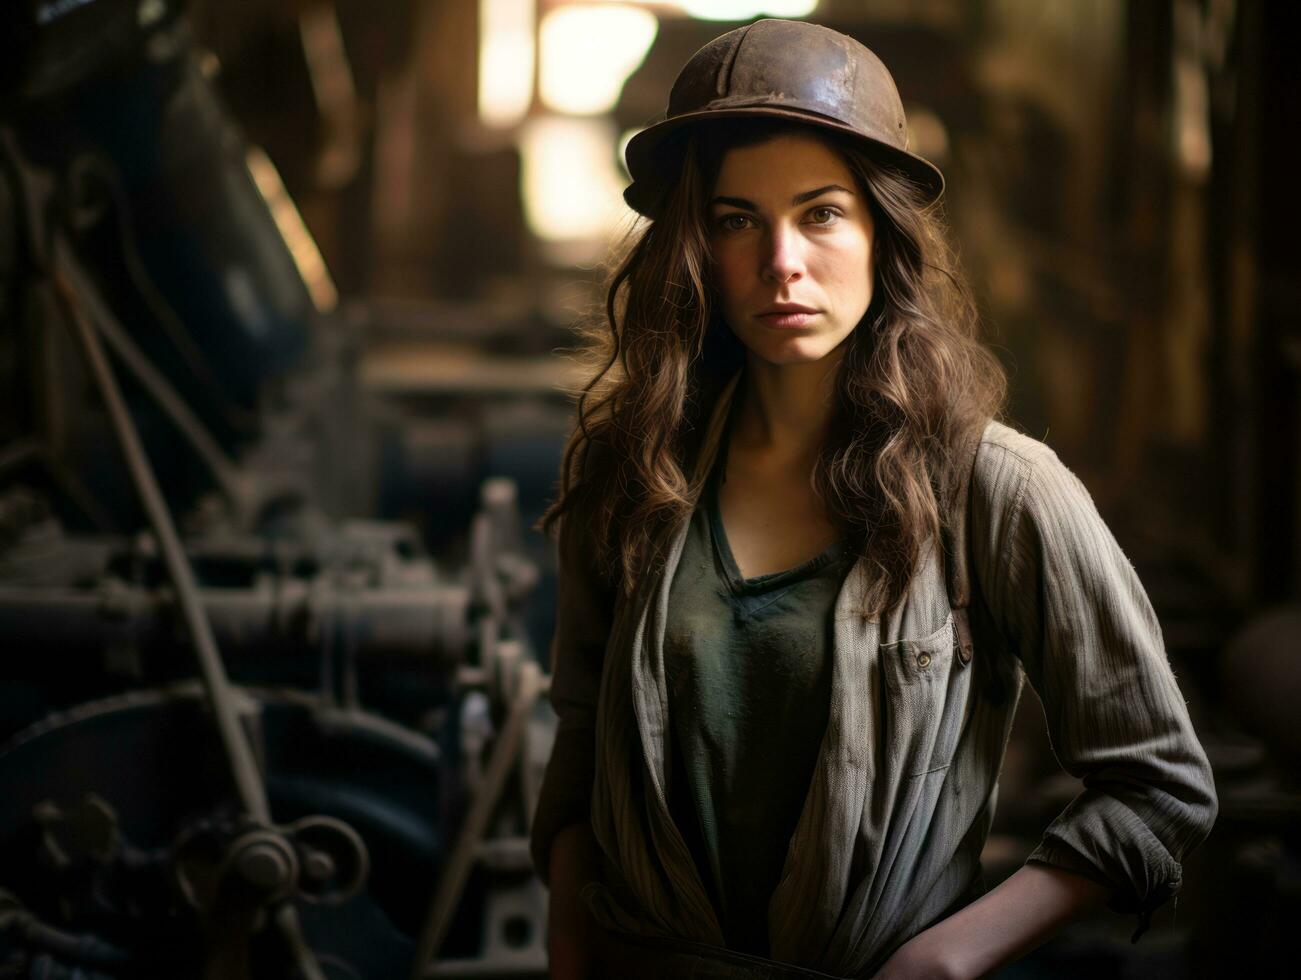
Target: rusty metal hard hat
[785, 69]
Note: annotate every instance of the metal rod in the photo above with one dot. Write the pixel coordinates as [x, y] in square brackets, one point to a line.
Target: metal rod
[248, 781]
[214, 458]
[475, 825]
[239, 753]
[290, 927]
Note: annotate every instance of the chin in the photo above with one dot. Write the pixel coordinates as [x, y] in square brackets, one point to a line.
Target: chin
[795, 349]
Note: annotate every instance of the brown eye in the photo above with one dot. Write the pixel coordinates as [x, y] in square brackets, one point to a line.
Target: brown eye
[732, 222]
[828, 215]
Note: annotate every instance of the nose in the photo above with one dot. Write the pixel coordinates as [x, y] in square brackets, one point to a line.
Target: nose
[783, 259]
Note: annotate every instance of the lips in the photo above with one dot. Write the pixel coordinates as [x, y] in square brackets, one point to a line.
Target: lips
[787, 315]
[786, 308]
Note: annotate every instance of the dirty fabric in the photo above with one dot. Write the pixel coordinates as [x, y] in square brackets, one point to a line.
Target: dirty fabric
[749, 684]
[905, 783]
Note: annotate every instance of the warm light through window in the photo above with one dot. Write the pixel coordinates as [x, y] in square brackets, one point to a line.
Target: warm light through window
[588, 51]
[572, 188]
[505, 60]
[746, 9]
[726, 9]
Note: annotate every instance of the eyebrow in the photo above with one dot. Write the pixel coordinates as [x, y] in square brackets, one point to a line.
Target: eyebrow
[740, 202]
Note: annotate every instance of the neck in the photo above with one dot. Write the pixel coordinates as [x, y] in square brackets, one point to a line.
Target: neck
[786, 408]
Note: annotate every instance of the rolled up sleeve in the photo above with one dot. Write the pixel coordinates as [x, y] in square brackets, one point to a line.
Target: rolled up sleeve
[1072, 607]
[583, 615]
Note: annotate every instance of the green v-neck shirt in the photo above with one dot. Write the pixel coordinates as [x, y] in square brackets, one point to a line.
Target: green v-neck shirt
[749, 682]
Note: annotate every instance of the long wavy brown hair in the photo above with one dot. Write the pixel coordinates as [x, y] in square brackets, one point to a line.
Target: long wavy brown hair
[914, 387]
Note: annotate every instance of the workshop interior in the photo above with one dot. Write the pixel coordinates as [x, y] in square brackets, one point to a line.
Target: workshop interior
[289, 299]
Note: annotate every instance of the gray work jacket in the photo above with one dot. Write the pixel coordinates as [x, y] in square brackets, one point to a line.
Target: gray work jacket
[906, 782]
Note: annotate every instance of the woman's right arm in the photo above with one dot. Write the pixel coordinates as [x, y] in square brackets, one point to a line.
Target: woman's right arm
[575, 860]
[564, 849]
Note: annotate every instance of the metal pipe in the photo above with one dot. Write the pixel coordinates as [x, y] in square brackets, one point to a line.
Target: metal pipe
[428, 623]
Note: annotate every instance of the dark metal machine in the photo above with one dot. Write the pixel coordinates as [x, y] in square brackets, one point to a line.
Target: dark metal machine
[241, 735]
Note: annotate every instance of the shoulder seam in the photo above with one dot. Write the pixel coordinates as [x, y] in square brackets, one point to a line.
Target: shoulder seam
[1015, 506]
[1029, 461]
[1009, 450]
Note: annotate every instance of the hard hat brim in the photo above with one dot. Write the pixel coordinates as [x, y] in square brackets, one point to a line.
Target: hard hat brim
[652, 155]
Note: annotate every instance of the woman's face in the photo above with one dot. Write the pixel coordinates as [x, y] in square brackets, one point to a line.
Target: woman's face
[789, 231]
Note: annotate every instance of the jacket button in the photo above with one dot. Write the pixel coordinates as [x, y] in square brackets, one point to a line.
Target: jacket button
[923, 660]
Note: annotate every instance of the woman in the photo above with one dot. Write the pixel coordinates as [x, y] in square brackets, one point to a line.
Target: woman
[803, 572]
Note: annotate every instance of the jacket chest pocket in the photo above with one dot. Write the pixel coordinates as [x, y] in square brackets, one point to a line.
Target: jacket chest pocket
[927, 684]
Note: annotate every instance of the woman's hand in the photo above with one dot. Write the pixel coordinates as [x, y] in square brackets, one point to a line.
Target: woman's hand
[571, 933]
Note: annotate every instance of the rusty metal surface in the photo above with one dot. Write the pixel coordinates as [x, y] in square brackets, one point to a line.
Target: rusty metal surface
[788, 70]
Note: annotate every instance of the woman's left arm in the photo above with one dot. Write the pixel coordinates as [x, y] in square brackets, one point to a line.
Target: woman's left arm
[1019, 915]
[1068, 602]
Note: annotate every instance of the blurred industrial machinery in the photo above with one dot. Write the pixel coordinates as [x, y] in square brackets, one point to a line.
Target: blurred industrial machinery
[268, 614]
[242, 733]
